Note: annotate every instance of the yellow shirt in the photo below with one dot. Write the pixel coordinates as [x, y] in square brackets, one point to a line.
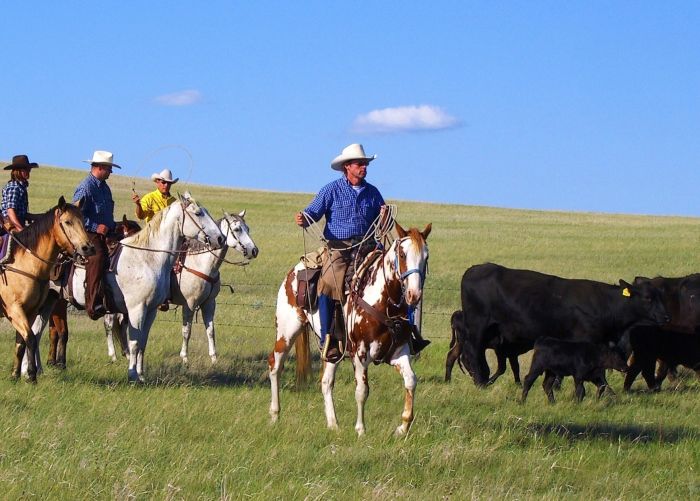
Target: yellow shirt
[153, 202]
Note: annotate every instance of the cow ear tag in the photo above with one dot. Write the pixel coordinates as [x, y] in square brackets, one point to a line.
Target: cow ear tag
[626, 292]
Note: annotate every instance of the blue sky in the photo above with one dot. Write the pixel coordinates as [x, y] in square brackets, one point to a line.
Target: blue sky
[585, 106]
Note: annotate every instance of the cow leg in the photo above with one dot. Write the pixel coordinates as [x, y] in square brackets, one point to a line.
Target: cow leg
[530, 378]
[515, 367]
[548, 385]
[632, 372]
[580, 390]
[501, 358]
[602, 384]
[452, 356]
[662, 371]
[403, 366]
[360, 363]
[648, 374]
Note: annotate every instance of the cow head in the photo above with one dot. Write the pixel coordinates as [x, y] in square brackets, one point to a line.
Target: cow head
[646, 301]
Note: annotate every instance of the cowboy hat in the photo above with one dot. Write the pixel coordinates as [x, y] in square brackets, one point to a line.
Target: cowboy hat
[165, 175]
[21, 162]
[102, 158]
[352, 152]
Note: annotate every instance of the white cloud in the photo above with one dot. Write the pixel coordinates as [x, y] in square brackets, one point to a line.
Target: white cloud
[405, 119]
[182, 98]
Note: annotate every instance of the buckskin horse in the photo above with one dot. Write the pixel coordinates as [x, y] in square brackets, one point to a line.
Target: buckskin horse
[376, 320]
[24, 280]
[59, 297]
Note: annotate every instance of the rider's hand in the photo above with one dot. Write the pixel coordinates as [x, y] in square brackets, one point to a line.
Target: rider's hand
[101, 229]
[299, 218]
[135, 198]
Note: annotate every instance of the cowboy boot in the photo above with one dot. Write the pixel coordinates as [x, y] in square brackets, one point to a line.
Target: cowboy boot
[417, 341]
[326, 308]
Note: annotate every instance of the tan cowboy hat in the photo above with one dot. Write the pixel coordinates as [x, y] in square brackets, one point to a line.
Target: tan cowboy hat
[165, 175]
[21, 162]
[102, 158]
[353, 152]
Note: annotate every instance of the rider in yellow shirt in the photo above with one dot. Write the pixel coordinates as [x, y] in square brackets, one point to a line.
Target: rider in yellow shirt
[158, 199]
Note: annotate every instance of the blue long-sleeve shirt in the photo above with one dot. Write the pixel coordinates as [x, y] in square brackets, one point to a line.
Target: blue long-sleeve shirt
[349, 212]
[98, 206]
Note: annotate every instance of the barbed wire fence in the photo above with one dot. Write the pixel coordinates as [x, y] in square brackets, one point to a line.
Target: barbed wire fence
[173, 316]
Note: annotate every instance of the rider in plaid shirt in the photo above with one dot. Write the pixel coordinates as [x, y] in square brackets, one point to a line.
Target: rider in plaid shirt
[15, 198]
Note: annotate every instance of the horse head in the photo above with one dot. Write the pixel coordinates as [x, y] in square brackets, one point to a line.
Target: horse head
[126, 227]
[410, 261]
[198, 224]
[237, 234]
[69, 229]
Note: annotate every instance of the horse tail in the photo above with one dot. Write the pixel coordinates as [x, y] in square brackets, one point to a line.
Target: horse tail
[303, 354]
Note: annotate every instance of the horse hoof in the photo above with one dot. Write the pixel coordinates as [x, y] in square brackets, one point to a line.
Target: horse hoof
[51, 362]
[213, 359]
[400, 431]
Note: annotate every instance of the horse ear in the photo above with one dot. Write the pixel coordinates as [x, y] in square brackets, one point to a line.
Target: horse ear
[402, 233]
[241, 214]
[62, 203]
[124, 220]
[427, 231]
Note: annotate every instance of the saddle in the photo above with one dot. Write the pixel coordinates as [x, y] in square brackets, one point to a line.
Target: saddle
[307, 279]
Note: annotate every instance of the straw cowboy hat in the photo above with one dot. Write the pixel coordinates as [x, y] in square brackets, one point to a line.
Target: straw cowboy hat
[165, 175]
[102, 158]
[352, 152]
[21, 162]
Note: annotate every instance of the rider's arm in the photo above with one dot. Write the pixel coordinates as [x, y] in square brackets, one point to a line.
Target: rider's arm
[16, 223]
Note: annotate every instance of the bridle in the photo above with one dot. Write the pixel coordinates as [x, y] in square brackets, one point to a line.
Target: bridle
[403, 275]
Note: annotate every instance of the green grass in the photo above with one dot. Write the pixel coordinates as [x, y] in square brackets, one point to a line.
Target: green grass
[203, 432]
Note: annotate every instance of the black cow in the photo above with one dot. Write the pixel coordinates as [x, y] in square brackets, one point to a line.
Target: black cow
[504, 351]
[681, 297]
[519, 306]
[672, 348]
[584, 361]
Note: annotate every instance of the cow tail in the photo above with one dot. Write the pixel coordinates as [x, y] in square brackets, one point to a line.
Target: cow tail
[303, 354]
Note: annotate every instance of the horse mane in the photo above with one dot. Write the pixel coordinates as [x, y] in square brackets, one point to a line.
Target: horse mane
[415, 236]
[143, 237]
[29, 237]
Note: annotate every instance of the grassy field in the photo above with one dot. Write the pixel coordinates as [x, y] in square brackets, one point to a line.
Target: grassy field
[203, 432]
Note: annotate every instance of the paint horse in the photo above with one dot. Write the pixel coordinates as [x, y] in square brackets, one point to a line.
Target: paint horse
[376, 320]
[197, 283]
[24, 283]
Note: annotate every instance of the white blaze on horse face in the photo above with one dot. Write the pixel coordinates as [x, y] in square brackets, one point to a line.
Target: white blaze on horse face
[414, 257]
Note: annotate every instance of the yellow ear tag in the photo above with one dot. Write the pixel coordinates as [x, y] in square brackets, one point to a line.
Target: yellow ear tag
[626, 292]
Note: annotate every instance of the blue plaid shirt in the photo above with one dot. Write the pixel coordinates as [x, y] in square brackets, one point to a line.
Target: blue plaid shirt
[98, 206]
[349, 213]
[15, 196]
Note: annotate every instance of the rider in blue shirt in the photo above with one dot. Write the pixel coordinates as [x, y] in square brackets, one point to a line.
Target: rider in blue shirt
[98, 212]
[350, 205]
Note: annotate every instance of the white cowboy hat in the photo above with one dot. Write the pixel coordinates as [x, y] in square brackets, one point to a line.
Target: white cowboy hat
[166, 176]
[102, 158]
[353, 152]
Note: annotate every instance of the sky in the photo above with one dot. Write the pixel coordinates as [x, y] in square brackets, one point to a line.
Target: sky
[579, 106]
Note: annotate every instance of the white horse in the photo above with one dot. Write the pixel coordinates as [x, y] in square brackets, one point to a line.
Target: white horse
[198, 283]
[140, 280]
[376, 319]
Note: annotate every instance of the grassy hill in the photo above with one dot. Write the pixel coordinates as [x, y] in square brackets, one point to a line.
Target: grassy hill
[203, 431]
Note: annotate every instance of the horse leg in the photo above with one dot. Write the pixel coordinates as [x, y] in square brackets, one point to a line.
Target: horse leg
[136, 344]
[187, 315]
[289, 326]
[208, 309]
[327, 385]
[403, 366]
[109, 322]
[25, 342]
[59, 331]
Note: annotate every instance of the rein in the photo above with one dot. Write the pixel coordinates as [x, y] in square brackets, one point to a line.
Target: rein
[46, 261]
